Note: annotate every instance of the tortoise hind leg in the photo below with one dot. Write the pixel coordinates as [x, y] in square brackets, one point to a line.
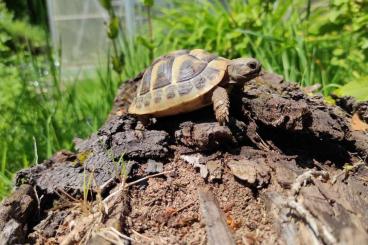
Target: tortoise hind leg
[221, 105]
[142, 123]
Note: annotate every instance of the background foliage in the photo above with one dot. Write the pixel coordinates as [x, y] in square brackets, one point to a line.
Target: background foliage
[308, 42]
[325, 42]
[40, 113]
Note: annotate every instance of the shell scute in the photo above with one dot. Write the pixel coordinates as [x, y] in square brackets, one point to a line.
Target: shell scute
[185, 88]
[147, 100]
[139, 102]
[146, 82]
[210, 73]
[171, 92]
[203, 55]
[199, 81]
[163, 73]
[157, 96]
[189, 68]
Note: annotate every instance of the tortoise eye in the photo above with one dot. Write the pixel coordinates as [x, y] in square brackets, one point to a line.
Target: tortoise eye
[252, 65]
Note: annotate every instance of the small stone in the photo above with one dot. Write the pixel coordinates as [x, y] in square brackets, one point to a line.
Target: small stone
[193, 159]
[203, 171]
[215, 170]
[243, 171]
[154, 167]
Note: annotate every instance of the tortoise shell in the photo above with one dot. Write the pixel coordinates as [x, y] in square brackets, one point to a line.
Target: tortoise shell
[178, 82]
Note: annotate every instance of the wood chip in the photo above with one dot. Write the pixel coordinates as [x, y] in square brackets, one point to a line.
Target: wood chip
[218, 232]
[358, 124]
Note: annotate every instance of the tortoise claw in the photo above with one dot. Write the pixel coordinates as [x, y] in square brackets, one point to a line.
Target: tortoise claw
[139, 130]
[139, 134]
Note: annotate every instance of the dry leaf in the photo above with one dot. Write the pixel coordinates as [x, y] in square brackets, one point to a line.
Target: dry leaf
[357, 124]
[169, 211]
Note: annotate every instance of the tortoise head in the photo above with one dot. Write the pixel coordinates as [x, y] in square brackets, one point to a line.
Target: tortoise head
[243, 69]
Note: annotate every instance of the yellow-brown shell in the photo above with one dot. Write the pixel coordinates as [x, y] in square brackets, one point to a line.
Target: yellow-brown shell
[178, 83]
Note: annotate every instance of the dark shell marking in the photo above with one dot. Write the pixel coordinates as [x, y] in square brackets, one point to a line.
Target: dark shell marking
[146, 81]
[139, 101]
[210, 73]
[209, 58]
[199, 81]
[185, 88]
[170, 91]
[164, 72]
[191, 68]
[147, 100]
[157, 95]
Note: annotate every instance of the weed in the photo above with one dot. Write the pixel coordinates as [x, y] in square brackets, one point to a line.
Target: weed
[297, 39]
[87, 182]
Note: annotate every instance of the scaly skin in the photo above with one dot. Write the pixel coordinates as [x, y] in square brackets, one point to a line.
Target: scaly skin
[221, 105]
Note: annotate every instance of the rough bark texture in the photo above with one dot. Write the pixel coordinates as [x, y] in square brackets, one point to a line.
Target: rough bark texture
[286, 169]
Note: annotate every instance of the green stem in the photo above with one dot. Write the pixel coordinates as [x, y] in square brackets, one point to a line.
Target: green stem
[150, 31]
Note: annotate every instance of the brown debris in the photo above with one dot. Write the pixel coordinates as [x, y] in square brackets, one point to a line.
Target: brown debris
[357, 124]
[218, 232]
[255, 174]
[17, 213]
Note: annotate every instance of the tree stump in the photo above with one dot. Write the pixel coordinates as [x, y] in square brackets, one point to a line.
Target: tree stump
[287, 169]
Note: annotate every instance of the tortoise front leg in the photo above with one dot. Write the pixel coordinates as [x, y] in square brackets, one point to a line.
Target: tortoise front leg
[142, 123]
[221, 105]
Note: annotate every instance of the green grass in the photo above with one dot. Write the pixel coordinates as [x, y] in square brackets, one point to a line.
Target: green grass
[307, 42]
[44, 114]
[40, 112]
[324, 42]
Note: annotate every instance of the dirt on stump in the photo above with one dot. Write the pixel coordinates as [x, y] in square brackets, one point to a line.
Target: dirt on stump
[287, 169]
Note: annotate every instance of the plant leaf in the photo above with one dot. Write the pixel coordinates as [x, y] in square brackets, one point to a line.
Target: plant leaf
[357, 88]
[106, 4]
[113, 28]
[148, 3]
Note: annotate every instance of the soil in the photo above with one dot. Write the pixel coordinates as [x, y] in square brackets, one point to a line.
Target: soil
[287, 169]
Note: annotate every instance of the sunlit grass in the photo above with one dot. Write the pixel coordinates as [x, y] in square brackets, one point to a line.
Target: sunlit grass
[306, 42]
[48, 114]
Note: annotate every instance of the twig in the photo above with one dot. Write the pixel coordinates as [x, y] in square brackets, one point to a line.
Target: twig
[305, 178]
[106, 184]
[153, 200]
[140, 235]
[147, 177]
[217, 230]
[182, 208]
[66, 194]
[120, 188]
[319, 230]
[111, 237]
[126, 185]
[38, 202]
[121, 234]
[81, 228]
[103, 206]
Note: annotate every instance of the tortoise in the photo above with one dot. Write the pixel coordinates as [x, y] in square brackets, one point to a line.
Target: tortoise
[187, 80]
